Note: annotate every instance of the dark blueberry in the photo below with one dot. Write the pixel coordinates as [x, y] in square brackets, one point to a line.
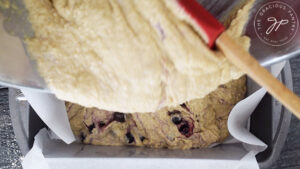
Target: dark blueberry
[119, 117]
[130, 138]
[183, 105]
[91, 127]
[176, 120]
[82, 137]
[173, 112]
[142, 138]
[184, 129]
[101, 124]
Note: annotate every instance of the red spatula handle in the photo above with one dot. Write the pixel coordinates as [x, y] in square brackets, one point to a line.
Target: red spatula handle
[210, 27]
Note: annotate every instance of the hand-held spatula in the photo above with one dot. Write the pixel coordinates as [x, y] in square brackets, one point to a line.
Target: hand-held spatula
[212, 31]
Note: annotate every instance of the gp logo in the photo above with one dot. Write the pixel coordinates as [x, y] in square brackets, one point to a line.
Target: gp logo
[276, 23]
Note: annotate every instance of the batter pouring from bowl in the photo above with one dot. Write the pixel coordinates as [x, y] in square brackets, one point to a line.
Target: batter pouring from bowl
[126, 55]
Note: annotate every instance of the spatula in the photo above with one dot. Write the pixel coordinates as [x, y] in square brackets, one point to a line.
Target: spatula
[17, 70]
[213, 33]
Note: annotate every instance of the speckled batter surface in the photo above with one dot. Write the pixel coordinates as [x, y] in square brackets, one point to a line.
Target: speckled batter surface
[127, 55]
[194, 124]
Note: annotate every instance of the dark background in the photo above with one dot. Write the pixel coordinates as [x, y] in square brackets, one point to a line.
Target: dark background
[10, 155]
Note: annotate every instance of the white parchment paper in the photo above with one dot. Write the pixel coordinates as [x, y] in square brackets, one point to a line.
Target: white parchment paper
[49, 153]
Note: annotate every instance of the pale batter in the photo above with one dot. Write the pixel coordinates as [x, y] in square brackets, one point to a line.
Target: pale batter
[126, 55]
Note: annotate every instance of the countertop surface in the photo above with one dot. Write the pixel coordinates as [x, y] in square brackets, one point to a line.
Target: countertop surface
[10, 155]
